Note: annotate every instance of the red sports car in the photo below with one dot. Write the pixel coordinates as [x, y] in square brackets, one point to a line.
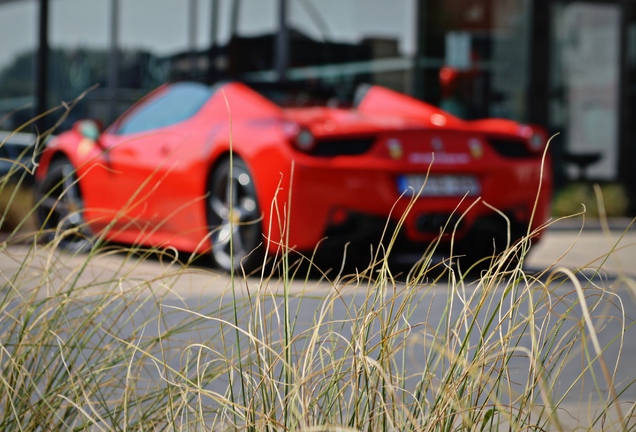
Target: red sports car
[191, 166]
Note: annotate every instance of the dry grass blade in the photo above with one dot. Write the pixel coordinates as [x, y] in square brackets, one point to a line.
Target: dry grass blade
[110, 340]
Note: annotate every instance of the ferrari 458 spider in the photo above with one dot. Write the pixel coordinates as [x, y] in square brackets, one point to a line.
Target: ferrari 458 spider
[191, 166]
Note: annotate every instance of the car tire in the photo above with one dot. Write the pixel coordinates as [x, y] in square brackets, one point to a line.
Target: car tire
[235, 224]
[60, 208]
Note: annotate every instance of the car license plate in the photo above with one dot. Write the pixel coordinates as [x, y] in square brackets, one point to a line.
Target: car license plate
[439, 185]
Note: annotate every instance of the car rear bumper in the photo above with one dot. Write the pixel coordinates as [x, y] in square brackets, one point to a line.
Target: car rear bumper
[351, 201]
[362, 233]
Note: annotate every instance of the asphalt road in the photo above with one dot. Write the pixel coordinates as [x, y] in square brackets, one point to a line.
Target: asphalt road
[607, 260]
[613, 252]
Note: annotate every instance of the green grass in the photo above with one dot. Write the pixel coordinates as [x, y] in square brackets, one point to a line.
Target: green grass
[576, 196]
[16, 203]
[105, 341]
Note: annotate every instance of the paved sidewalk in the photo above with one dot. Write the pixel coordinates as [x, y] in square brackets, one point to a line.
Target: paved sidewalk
[565, 244]
[574, 244]
[578, 223]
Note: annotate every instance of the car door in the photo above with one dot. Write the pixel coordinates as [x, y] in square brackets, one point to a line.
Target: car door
[138, 165]
[145, 148]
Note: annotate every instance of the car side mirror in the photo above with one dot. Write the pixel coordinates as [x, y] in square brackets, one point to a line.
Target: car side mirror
[89, 128]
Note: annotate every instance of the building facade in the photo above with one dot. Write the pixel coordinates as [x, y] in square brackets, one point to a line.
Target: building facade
[568, 65]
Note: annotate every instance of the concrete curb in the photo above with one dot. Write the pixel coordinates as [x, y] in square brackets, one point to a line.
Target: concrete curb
[593, 224]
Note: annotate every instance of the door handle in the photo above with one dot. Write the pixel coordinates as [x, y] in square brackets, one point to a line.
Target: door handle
[165, 150]
[128, 151]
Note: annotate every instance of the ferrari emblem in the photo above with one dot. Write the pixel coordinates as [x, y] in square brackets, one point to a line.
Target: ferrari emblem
[437, 144]
[476, 149]
[395, 148]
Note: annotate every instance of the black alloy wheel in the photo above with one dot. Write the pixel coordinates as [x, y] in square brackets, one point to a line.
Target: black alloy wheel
[60, 209]
[234, 217]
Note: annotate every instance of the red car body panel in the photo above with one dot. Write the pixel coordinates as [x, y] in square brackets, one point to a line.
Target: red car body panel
[150, 188]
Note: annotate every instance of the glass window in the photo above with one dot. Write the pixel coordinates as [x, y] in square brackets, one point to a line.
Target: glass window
[78, 57]
[245, 18]
[474, 57]
[179, 102]
[18, 30]
[334, 45]
[153, 42]
[201, 34]
[391, 25]
[157, 26]
[246, 36]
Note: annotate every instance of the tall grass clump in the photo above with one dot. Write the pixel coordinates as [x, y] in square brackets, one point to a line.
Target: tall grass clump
[142, 339]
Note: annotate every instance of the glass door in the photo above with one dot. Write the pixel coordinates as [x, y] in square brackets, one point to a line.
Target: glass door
[585, 83]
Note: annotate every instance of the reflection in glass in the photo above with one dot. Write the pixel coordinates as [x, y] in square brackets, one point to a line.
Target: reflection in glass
[78, 57]
[585, 82]
[484, 63]
[17, 25]
[340, 44]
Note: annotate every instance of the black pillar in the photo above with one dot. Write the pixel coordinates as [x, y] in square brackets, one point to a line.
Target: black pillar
[627, 104]
[431, 31]
[42, 66]
[113, 61]
[282, 42]
[417, 84]
[539, 83]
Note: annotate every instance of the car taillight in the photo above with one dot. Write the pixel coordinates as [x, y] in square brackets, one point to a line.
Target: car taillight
[300, 137]
[536, 139]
